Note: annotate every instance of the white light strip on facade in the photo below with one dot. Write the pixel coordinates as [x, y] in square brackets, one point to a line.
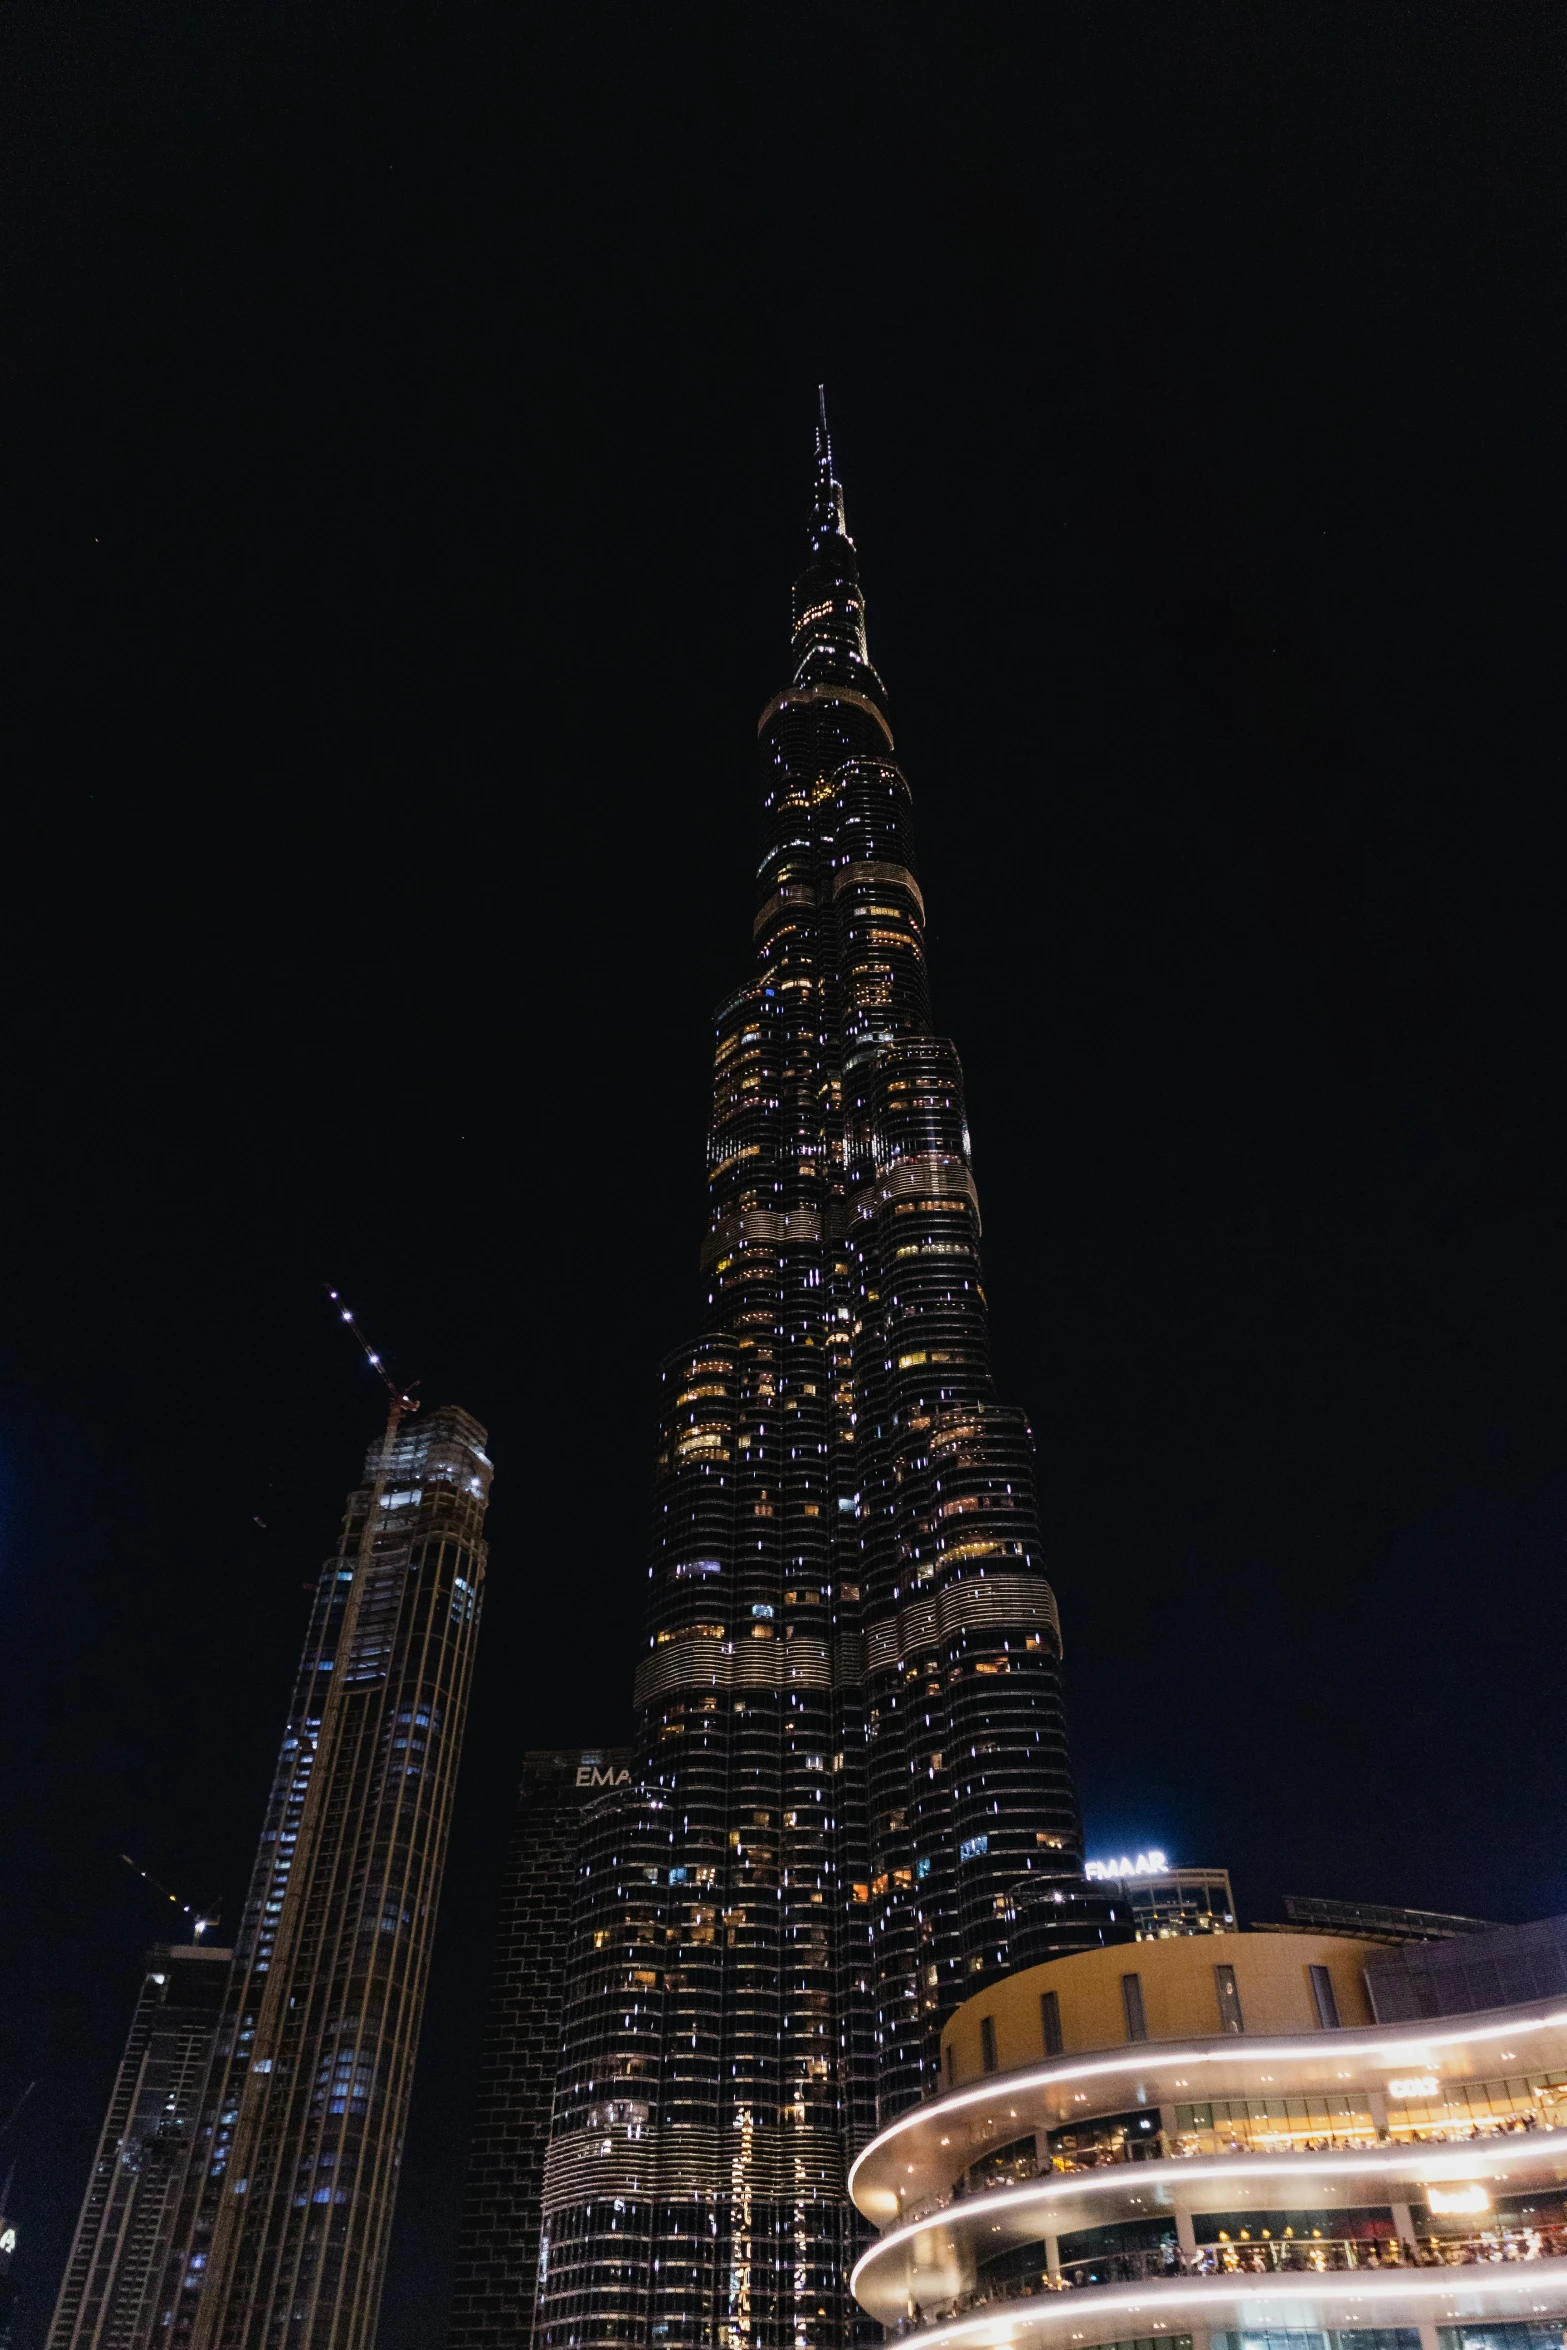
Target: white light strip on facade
[1529, 2285]
[1419, 2164]
[1406, 2053]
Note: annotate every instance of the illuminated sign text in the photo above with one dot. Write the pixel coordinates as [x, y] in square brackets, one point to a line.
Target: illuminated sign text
[1147, 1864]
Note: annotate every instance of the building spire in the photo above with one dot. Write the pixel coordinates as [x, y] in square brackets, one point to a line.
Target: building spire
[827, 505]
[829, 604]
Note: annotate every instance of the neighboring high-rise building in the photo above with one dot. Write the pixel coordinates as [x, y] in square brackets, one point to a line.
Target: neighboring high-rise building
[498, 2244]
[1049, 1921]
[109, 2298]
[1125, 1900]
[7, 2280]
[850, 1736]
[288, 2238]
[1161, 1902]
[1181, 1901]
[280, 2229]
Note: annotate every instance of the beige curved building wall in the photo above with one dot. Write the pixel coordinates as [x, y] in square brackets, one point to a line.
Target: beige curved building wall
[1179, 1993]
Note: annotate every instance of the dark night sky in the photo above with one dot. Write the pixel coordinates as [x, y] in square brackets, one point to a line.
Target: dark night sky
[408, 440]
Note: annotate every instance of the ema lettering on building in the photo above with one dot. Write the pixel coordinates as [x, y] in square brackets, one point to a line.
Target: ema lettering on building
[592, 1775]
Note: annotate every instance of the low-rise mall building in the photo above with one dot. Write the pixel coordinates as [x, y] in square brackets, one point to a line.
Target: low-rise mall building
[1211, 2142]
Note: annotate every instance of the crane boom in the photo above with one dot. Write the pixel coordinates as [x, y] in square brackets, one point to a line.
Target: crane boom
[400, 1396]
[200, 1919]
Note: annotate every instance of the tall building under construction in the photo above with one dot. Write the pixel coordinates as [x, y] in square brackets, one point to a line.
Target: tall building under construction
[850, 1740]
[115, 2272]
[275, 2229]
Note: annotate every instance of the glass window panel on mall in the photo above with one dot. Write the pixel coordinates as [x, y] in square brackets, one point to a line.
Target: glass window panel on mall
[1230, 2016]
[1365, 2224]
[1013, 2162]
[1110, 2137]
[1257, 2123]
[1354, 2338]
[1128, 2235]
[1527, 2334]
[1324, 1997]
[1466, 2105]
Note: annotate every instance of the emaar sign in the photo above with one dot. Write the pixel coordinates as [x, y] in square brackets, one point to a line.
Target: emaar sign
[1151, 1863]
[596, 1775]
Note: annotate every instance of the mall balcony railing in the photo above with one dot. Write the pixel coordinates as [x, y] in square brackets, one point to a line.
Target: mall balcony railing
[1330, 2142]
[1270, 2256]
[1304, 2255]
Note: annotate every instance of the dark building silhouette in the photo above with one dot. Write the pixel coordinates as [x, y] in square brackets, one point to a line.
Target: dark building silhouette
[498, 2243]
[7, 2280]
[109, 2298]
[1377, 1921]
[277, 2229]
[850, 1737]
[1460, 1974]
[1050, 1923]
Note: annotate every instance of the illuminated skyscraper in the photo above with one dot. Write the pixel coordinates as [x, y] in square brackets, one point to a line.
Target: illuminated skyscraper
[108, 2298]
[498, 2246]
[850, 1738]
[278, 2229]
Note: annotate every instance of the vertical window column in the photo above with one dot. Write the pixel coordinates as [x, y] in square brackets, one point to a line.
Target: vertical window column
[1323, 1997]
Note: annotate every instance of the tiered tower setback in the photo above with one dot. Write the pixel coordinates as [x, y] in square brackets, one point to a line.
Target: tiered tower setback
[850, 1734]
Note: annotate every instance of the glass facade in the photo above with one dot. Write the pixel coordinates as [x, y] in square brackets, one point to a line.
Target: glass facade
[850, 1737]
[1272, 2124]
[1346, 2119]
[1526, 2334]
[498, 2241]
[1353, 2338]
[279, 2227]
[122, 2236]
[1347, 2175]
[1182, 1901]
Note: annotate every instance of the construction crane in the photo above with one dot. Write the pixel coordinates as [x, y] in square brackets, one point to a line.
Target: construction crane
[402, 1401]
[200, 1919]
[403, 1398]
[13, 2116]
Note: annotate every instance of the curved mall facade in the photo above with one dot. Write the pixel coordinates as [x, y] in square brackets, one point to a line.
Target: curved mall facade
[1210, 2142]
